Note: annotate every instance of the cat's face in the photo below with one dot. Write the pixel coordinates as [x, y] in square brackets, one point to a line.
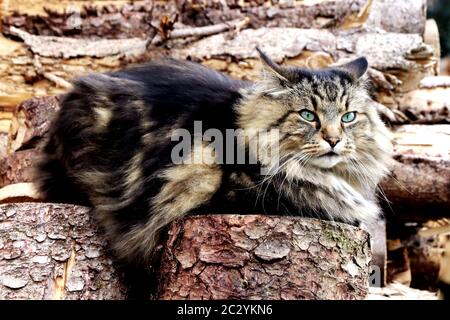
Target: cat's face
[324, 117]
[328, 119]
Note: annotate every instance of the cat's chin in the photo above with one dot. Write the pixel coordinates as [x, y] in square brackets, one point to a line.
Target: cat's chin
[326, 162]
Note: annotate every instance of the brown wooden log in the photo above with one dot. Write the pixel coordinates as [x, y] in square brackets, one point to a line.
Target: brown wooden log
[3, 144]
[389, 15]
[398, 291]
[400, 65]
[397, 67]
[421, 175]
[263, 257]
[31, 120]
[17, 167]
[100, 19]
[426, 251]
[52, 251]
[19, 192]
[426, 105]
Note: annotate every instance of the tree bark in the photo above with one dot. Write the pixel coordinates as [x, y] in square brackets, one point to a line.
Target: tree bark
[17, 167]
[31, 121]
[111, 21]
[398, 61]
[421, 174]
[52, 251]
[263, 257]
[398, 67]
[389, 15]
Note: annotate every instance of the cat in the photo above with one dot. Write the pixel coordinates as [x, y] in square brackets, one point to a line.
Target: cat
[111, 147]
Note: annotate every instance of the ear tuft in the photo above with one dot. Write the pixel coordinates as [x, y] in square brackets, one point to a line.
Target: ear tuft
[357, 68]
[271, 66]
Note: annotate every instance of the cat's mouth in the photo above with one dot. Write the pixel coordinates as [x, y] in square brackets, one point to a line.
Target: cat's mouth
[329, 154]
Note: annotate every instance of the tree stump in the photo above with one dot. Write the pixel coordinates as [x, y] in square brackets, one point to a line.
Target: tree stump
[264, 257]
[52, 251]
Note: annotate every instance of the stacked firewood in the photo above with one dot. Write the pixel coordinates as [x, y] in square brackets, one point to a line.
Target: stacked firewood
[41, 51]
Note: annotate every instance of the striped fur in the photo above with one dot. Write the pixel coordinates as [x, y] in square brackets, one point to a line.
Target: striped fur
[109, 147]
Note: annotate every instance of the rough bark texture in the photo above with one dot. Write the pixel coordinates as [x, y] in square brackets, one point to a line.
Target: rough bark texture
[398, 16]
[421, 175]
[17, 167]
[389, 15]
[52, 251]
[263, 257]
[398, 61]
[121, 19]
[300, 14]
[31, 121]
[111, 21]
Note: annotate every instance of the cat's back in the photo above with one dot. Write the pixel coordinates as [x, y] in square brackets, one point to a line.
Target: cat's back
[108, 120]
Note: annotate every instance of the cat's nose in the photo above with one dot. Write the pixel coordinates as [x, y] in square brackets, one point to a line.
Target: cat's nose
[332, 141]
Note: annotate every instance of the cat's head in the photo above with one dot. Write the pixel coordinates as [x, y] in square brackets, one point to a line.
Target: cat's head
[324, 117]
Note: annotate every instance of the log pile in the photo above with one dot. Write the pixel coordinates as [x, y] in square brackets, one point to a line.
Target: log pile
[42, 50]
[52, 251]
[262, 257]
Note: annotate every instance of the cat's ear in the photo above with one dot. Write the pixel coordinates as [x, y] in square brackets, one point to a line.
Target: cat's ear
[276, 70]
[357, 68]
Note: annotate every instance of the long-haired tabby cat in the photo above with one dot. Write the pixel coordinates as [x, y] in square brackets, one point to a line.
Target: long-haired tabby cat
[110, 147]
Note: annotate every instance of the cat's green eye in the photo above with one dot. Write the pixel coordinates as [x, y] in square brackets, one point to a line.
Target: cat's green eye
[308, 115]
[349, 117]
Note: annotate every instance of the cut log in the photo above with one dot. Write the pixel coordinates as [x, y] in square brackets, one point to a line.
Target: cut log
[431, 37]
[389, 15]
[398, 16]
[19, 192]
[263, 257]
[31, 121]
[52, 251]
[398, 266]
[421, 174]
[397, 67]
[123, 20]
[40, 7]
[403, 63]
[421, 248]
[428, 105]
[17, 167]
[3, 144]
[425, 251]
[398, 291]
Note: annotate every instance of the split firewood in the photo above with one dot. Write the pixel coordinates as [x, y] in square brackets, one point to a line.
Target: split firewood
[263, 257]
[3, 144]
[53, 251]
[65, 47]
[119, 19]
[17, 167]
[431, 37]
[398, 266]
[398, 291]
[426, 251]
[421, 173]
[404, 62]
[427, 105]
[19, 192]
[435, 82]
[31, 121]
[389, 15]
